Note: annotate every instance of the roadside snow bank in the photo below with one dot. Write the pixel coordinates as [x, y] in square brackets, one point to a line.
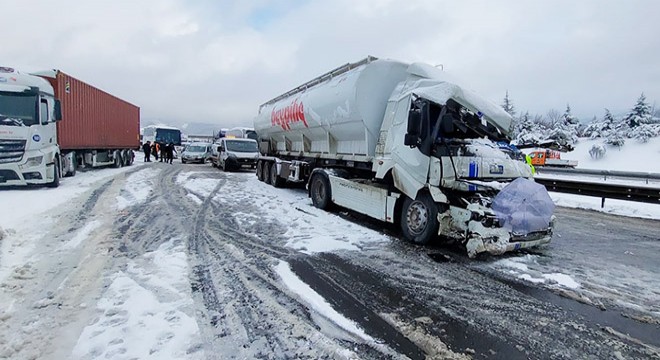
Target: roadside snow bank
[632, 156]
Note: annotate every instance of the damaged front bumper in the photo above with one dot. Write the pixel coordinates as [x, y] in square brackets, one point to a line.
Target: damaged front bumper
[480, 232]
[497, 245]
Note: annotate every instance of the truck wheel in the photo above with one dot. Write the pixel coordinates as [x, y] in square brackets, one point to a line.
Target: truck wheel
[117, 160]
[260, 171]
[419, 219]
[319, 190]
[56, 176]
[74, 165]
[266, 172]
[224, 166]
[275, 179]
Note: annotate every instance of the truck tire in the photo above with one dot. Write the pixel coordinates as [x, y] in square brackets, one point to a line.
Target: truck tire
[56, 175]
[320, 191]
[260, 170]
[266, 172]
[419, 219]
[275, 179]
[74, 166]
[118, 162]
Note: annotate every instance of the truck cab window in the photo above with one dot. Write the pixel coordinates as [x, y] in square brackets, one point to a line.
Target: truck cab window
[43, 111]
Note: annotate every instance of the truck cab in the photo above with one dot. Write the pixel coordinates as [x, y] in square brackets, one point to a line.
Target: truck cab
[29, 151]
[236, 153]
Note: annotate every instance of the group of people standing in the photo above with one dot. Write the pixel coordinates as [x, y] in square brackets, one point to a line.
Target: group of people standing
[166, 151]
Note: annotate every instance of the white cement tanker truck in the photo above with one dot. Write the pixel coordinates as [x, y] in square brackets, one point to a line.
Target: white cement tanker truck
[404, 144]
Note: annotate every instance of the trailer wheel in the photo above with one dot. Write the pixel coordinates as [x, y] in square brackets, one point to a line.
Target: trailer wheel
[56, 175]
[419, 219]
[266, 172]
[74, 165]
[275, 179]
[117, 160]
[260, 170]
[320, 192]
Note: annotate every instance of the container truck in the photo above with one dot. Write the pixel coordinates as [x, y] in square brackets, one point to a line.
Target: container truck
[404, 144]
[52, 124]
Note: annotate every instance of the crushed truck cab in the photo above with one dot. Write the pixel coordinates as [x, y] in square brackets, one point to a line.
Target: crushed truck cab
[404, 143]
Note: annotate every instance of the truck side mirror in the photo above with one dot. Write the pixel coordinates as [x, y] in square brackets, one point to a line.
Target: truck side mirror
[221, 148]
[414, 127]
[58, 110]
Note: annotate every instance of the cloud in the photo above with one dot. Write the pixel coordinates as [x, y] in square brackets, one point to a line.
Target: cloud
[216, 61]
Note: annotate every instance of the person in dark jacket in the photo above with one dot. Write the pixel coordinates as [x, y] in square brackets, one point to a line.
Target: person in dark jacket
[170, 153]
[146, 148]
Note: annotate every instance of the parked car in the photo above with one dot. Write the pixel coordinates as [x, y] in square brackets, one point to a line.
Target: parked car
[196, 153]
[235, 153]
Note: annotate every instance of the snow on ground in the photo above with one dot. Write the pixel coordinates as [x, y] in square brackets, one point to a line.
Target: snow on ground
[612, 206]
[293, 208]
[199, 186]
[520, 267]
[146, 312]
[138, 187]
[632, 156]
[22, 205]
[29, 202]
[316, 301]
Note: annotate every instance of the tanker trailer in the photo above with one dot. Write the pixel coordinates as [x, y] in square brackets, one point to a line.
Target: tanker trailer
[403, 143]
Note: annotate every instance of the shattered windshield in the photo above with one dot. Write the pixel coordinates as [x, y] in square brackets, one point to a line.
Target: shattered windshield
[18, 109]
[242, 146]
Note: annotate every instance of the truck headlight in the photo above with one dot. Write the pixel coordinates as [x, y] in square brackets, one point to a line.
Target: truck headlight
[34, 161]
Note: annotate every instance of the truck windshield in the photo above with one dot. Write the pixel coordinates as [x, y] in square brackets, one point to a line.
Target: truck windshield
[242, 146]
[167, 136]
[18, 109]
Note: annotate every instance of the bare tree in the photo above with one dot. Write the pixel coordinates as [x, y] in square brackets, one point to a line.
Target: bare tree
[553, 117]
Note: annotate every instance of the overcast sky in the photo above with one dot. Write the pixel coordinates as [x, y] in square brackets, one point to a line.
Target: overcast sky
[216, 61]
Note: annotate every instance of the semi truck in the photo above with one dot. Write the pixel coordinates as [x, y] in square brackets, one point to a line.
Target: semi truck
[52, 124]
[406, 144]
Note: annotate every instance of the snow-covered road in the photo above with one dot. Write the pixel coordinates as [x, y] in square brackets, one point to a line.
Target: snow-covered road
[178, 261]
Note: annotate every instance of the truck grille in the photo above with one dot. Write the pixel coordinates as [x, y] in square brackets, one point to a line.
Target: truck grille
[11, 150]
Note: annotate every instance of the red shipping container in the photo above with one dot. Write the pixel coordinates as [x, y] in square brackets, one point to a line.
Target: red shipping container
[92, 118]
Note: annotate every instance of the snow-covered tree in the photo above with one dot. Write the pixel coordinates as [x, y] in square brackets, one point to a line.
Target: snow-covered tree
[645, 131]
[565, 130]
[592, 129]
[597, 151]
[507, 105]
[640, 114]
[527, 131]
[601, 128]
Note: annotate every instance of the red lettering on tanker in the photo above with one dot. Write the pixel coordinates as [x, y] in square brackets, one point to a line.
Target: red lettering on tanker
[286, 116]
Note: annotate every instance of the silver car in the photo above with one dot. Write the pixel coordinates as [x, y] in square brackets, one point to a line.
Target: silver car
[196, 153]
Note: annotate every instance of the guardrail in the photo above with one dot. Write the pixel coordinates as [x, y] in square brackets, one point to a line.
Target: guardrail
[635, 175]
[604, 191]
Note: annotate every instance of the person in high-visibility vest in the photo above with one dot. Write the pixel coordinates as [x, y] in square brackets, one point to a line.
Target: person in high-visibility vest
[528, 159]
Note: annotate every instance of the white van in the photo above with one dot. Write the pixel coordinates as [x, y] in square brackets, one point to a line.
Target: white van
[234, 153]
